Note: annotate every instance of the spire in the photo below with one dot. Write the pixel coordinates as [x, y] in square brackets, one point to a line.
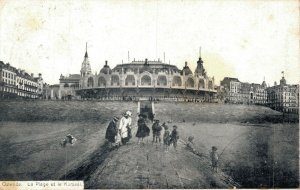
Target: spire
[85, 67]
[200, 52]
[86, 54]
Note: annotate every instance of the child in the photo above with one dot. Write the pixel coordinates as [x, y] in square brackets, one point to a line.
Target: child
[156, 129]
[69, 139]
[214, 158]
[166, 138]
[174, 137]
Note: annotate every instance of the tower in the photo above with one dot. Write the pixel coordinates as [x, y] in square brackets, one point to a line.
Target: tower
[200, 71]
[85, 66]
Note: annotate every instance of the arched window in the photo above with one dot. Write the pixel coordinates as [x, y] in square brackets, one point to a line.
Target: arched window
[176, 81]
[115, 80]
[66, 85]
[90, 82]
[201, 83]
[101, 81]
[130, 80]
[210, 84]
[146, 80]
[190, 83]
[161, 80]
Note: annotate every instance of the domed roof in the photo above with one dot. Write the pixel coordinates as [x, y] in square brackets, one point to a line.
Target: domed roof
[186, 70]
[106, 69]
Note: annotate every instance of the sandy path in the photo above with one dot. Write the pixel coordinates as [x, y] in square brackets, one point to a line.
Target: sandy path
[148, 166]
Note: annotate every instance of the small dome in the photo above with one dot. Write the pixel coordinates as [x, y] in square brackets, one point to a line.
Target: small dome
[186, 70]
[106, 69]
[264, 84]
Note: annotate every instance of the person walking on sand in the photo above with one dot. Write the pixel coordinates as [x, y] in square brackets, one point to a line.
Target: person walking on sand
[214, 159]
[112, 131]
[143, 130]
[174, 137]
[166, 138]
[156, 129]
[125, 123]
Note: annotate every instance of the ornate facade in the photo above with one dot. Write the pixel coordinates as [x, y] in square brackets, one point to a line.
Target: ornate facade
[244, 93]
[145, 78]
[18, 83]
[284, 97]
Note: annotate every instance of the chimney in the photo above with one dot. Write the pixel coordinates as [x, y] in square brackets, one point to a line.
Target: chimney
[105, 62]
[185, 64]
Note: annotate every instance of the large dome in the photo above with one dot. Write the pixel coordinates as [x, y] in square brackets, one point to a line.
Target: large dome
[186, 70]
[106, 69]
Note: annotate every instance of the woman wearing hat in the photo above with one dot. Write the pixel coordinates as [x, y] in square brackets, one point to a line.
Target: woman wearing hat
[112, 131]
[125, 127]
[143, 130]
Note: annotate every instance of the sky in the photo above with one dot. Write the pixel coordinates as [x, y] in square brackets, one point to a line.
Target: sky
[250, 40]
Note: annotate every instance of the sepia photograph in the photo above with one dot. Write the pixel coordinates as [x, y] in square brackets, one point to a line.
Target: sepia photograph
[158, 94]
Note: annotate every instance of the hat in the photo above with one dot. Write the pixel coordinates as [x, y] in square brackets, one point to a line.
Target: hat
[214, 148]
[156, 120]
[116, 118]
[128, 113]
[175, 126]
[165, 126]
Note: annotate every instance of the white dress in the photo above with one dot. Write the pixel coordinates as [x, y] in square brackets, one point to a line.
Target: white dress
[124, 122]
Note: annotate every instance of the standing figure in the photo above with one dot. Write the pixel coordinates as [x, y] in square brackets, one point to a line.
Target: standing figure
[143, 130]
[166, 138]
[214, 158]
[125, 123]
[112, 131]
[129, 125]
[156, 129]
[174, 137]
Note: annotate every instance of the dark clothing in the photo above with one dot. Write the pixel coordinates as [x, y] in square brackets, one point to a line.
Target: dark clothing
[143, 130]
[125, 140]
[129, 133]
[156, 129]
[111, 132]
[174, 137]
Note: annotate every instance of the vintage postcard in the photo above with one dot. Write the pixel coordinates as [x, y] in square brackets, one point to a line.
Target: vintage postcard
[155, 94]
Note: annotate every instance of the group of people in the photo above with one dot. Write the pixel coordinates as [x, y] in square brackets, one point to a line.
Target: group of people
[121, 134]
[160, 133]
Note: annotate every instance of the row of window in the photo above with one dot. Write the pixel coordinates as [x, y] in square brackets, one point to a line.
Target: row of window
[8, 75]
[11, 78]
[15, 91]
[7, 89]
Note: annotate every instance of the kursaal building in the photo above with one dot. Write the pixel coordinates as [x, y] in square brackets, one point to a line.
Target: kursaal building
[148, 79]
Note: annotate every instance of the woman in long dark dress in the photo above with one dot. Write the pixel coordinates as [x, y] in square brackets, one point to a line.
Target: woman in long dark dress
[112, 131]
[143, 130]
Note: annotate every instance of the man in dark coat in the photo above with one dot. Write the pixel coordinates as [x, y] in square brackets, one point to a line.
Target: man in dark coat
[112, 131]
